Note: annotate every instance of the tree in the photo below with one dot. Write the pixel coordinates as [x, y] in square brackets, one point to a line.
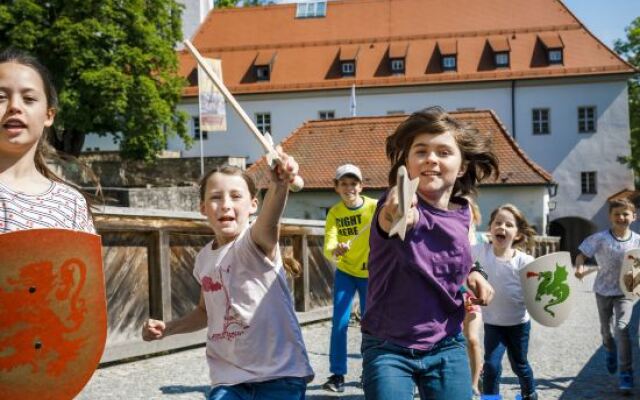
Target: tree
[113, 63]
[630, 50]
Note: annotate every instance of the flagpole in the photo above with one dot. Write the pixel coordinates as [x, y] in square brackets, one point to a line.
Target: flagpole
[201, 151]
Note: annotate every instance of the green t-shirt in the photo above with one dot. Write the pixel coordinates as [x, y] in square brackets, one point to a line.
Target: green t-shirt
[350, 224]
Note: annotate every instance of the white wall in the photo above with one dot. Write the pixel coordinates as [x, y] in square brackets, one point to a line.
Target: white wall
[531, 200]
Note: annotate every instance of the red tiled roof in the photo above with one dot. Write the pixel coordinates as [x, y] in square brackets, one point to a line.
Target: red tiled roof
[308, 47]
[499, 44]
[321, 146]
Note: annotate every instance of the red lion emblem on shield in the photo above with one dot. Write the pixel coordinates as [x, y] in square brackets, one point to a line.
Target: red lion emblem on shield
[39, 312]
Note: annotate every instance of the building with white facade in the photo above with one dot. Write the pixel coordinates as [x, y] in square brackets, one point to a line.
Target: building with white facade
[560, 92]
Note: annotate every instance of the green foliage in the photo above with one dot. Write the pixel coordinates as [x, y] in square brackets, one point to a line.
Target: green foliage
[630, 50]
[113, 63]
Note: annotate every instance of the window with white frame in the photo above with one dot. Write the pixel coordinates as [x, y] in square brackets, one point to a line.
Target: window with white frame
[263, 122]
[555, 56]
[540, 118]
[588, 180]
[196, 130]
[326, 114]
[313, 9]
[397, 65]
[348, 68]
[502, 59]
[587, 119]
[449, 63]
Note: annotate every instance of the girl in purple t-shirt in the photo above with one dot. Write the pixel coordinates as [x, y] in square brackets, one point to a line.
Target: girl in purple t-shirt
[412, 327]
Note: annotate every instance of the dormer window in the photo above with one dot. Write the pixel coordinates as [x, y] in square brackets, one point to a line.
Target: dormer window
[348, 68]
[397, 65]
[449, 63]
[397, 57]
[315, 9]
[554, 47]
[448, 54]
[263, 65]
[348, 57]
[262, 72]
[555, 56]
[502, 60]
[501, 49]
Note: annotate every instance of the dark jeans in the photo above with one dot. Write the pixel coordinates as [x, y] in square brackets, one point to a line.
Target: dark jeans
[515, 340]
[275, 389]
[391, 372]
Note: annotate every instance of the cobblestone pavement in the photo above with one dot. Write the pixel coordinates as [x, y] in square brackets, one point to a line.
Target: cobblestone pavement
[568, 363]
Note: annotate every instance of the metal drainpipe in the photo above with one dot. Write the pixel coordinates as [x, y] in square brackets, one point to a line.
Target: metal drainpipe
[513, 109]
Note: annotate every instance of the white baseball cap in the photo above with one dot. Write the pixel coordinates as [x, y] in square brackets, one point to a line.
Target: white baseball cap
[348, 169]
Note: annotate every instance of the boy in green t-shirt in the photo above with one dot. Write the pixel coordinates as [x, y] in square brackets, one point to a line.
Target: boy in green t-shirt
[346, 243]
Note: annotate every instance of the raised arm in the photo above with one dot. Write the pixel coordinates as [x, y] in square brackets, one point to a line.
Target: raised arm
[265, 232]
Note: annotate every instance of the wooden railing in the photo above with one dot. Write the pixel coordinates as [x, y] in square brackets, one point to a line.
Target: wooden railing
[148, 263]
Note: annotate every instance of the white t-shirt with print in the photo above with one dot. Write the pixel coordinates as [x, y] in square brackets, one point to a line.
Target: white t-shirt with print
[609, 253]
[253, 334]
[507, 307]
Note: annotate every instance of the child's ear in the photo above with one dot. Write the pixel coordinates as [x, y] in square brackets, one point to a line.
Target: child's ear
[463, 169]
[202, 210]
[51, 115]
[254, 206]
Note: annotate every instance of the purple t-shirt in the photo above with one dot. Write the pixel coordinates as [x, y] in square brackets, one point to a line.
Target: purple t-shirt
[414, 297]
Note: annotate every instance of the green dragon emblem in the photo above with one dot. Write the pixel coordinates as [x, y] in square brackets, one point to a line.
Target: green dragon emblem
[553, 284]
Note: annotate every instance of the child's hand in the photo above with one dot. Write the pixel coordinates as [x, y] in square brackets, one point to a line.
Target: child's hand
[580, 272]
[480, 288]
[391, 210]
[286, 169]
[341, 249]
[153, 329]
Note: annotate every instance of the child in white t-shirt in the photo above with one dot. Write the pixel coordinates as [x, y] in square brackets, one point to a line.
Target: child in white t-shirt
[608, 248]
[506, 321]
[255, 348]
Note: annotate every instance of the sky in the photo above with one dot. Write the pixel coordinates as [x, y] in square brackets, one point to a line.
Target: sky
[605, 18]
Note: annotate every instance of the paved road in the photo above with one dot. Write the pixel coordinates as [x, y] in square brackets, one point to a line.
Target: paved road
[568, 363]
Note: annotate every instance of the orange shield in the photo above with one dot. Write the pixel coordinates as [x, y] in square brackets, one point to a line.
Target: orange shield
[53, 313]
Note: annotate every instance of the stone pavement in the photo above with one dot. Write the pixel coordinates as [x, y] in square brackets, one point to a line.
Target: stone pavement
[568, 363]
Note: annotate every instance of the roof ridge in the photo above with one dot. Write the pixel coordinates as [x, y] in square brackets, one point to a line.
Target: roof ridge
[516, 147]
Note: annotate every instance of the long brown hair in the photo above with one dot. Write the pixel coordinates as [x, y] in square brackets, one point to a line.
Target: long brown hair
[475, 148]
[291, 265]
[44, 150]
[526, 233]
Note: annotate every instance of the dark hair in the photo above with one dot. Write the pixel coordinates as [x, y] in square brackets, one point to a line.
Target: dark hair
[525, 230]
[227, 169]
[621, 203]
[43, 150]
[475, 148]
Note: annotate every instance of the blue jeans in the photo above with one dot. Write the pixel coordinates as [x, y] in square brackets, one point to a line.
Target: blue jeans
[515, 340]
[275, 389]
[392, 372]
[344, 288]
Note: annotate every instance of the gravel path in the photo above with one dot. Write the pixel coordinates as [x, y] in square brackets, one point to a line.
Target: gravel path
[568, 363]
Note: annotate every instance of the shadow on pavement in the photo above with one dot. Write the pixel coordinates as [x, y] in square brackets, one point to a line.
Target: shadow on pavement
[593, 381]
[181, 389]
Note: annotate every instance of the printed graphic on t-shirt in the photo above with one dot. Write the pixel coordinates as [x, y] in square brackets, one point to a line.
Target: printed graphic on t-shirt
[348, 226]
[231, 325]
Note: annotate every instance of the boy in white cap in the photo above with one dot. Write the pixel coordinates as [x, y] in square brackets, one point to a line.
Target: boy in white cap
[346, 243]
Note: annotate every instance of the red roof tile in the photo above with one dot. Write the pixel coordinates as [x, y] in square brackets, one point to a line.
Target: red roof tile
[307, 47]
[321, 146]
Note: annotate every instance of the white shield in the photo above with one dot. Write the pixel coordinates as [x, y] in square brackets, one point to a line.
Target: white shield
[546, 283]
[630, 273]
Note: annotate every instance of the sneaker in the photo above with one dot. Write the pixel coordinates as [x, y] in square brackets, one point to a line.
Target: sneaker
[612, 361]
[335, 383]
[626, 381]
